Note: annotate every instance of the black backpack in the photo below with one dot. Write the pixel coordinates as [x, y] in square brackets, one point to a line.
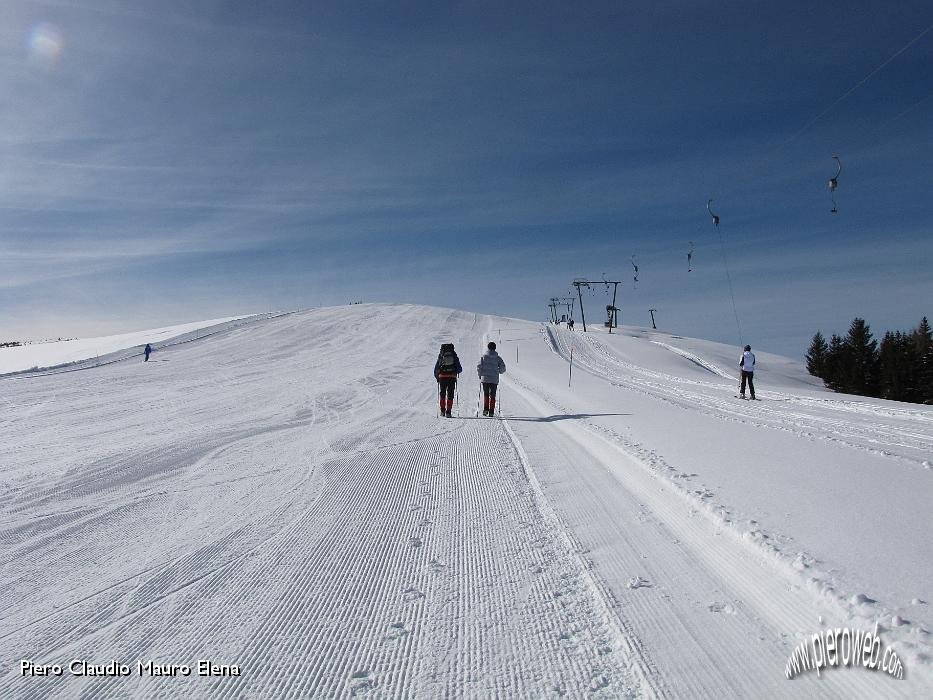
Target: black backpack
[448, 360]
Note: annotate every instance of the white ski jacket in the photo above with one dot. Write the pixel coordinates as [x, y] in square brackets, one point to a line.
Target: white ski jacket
[747, 361]
[490, 367]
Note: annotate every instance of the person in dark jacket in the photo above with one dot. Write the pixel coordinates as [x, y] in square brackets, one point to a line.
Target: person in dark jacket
[489, 368]
[446, 370]
[747, 363]
[147, 352]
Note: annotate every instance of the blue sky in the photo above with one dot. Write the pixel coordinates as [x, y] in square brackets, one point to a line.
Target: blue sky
[171, 161]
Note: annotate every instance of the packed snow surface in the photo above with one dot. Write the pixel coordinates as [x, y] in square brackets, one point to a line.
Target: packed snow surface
[283, 497]
[63, 352]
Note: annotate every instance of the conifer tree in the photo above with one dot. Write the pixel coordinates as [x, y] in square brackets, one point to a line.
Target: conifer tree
[922, 337]
[862, 372]
[816, 356]
[897, 367]
[834, 366]
[925, 377]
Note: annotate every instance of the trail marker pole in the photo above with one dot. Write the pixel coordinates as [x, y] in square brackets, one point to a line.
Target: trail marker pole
[570, 377]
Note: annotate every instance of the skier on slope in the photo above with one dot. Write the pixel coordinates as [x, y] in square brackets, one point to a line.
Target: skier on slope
[570, 324]
[747, 363]
[446, 370]
[489, 368]
[147, 352]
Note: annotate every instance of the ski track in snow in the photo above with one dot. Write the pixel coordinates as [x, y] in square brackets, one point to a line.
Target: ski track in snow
[285, 498]
[887, 440]
[903, 446]
[333, 539]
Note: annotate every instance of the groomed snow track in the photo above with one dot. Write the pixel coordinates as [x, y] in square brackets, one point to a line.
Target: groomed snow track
[289, 502]
[284, 497]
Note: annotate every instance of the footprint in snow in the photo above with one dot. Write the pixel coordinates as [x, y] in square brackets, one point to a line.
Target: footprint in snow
[727, 608]
[396, 631]
[360, 682]
[638, 582]
[410, 595]
[414, 541]
[435, 565]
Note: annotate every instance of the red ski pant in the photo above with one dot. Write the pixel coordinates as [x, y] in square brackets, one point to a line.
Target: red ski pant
[446, 388]
[489, 396]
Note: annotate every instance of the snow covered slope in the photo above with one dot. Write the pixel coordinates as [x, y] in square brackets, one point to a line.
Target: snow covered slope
[283, 497]
[35, 356]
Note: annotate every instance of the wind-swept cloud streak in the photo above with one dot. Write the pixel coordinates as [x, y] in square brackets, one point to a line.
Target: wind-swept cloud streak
[234, 156]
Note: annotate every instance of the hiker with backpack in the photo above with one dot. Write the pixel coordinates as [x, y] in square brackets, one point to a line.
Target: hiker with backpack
[489, 368]
[446, 370]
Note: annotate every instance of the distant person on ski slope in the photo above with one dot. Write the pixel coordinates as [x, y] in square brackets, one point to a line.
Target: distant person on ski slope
[147, 351]
[570, 324]
[446, 370]
[747, 363]
[489, 368]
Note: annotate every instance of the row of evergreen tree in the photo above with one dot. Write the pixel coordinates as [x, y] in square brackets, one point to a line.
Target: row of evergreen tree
[900, 368]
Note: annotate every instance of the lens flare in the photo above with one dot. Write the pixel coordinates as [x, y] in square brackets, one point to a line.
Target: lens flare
[45, 43]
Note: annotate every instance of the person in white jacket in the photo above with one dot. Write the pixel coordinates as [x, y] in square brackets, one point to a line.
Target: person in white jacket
[747, 363]
[488, 369]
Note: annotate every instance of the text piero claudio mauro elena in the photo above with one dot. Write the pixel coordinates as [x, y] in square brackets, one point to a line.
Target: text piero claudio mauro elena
[80, 667]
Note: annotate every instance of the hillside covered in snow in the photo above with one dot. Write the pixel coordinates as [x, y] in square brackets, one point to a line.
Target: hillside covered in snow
[280, 498]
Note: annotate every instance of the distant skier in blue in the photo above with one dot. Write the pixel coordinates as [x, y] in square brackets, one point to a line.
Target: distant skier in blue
[147, 352]
[446, 370]
[489, 368]
[747, 363]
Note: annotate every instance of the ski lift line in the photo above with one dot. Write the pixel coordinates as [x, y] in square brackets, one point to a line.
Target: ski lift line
[865, 140]
[769, 156]
[906, 111]
[855, 87]
[725, 263]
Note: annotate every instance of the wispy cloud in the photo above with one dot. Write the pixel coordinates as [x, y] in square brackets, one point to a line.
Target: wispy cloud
[218, 149]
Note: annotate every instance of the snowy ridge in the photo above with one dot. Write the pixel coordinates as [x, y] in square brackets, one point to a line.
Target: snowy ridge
[69, 355]
[696, 359]
[275, 498]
